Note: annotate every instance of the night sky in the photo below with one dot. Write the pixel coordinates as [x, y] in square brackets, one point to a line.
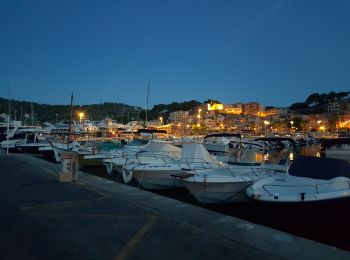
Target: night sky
[272, 51]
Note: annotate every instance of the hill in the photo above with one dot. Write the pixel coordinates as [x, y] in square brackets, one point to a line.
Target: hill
[117, 111]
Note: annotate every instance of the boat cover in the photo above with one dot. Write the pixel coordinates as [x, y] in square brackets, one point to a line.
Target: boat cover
[161, 147]
[276, 139]
[196, 151]
[223, 135]
[319, 168]
[332, 142]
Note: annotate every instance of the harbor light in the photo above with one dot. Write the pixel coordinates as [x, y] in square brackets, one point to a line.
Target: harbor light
[81, 116]
[266, 123]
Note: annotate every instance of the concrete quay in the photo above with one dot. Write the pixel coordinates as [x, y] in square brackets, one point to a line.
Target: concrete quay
[96, 218]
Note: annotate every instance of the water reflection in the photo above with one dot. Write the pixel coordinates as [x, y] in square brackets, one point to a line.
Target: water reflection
[273, 156]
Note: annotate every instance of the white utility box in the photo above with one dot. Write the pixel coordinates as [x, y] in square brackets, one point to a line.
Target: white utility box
[69, 167]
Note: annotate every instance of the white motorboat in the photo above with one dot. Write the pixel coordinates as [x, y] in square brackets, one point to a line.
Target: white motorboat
[221, 142]
[151, 153]
[229, 182]
[104, 155]
[162, 173]
[337, 148]
[24, 138]
[54, 150]
[309, 179]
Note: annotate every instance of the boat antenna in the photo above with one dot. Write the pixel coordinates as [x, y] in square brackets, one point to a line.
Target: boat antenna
[70, 121]
[149, 83]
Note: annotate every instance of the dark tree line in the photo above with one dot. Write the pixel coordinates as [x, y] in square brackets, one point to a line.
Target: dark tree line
[316, 102]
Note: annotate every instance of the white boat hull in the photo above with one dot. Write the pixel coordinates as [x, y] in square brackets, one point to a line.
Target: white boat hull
[218, 192]
[298, 189]
[157, 178]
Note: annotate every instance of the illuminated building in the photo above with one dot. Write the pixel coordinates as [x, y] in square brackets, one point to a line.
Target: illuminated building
[179, 116]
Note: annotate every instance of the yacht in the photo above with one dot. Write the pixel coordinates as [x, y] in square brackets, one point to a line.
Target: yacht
[309, 179]
[164, 172]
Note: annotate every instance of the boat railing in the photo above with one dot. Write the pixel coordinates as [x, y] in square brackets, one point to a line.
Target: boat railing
[166, 157]
[256, 174]
[317, 187]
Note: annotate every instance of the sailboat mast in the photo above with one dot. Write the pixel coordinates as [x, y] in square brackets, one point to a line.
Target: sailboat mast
[32, 113]
[8, 123]
[70, 121]
[149, 82]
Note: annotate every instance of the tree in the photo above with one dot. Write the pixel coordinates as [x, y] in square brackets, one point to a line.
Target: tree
[300, 105]
[313, 99]
[341, 95]
[212, 101]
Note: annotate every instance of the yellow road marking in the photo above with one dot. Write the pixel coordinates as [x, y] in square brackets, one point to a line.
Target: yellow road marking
[91, 215]
[55, 204]
[135, 239]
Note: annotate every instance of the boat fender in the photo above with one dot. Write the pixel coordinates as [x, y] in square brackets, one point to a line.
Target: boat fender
[275, 196]
[127, 175]
[109, 168]
[302, 196]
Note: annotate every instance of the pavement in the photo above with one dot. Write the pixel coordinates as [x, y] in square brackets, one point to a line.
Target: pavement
[96, 218]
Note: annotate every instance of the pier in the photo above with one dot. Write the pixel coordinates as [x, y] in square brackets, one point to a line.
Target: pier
[96, 218]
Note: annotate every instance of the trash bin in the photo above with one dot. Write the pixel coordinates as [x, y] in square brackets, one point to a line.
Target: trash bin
[69, 167]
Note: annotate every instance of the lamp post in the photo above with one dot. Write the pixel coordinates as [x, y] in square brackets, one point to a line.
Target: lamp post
[266, 123]
[81, 116]
[291, 124]
[161, 120]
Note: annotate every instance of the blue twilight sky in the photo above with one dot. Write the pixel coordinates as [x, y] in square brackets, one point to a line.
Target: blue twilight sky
[276, 52]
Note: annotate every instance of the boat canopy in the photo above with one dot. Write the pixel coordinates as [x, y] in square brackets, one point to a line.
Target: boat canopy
[161, 147]
[319, 168]
[332, 142]
[276, 139]
[196, 151]
[223, 135]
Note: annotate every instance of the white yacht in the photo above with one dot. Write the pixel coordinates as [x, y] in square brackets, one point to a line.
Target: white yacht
[163, 173]
[228, 183]
[221, 142]
[24, 138]
[337, 148]
[309, 179]
[150, 153]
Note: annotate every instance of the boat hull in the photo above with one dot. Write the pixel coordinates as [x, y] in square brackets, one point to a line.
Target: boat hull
[218, 192]
[161, 178]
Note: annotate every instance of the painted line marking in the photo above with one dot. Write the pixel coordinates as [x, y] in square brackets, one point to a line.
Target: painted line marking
[135, 239]
[55, 204]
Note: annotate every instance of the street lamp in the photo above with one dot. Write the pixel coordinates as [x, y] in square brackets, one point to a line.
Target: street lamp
[161, 120]
[81, 116]
[266, 123]
[291, 124]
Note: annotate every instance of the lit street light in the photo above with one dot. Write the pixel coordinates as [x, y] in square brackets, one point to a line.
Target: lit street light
[81, 116]
[266, 123]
